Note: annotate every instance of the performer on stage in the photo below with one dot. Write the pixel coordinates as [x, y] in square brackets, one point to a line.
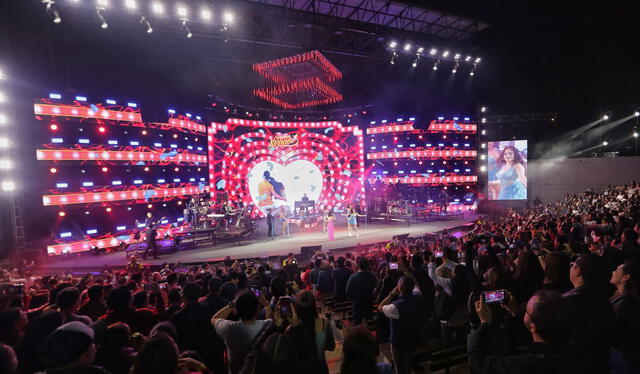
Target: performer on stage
[150, 224]
[328, 221]
[352, 221]
[282, 215]
[444, 197]
[193, 212]
[270, 221]
[305, 207]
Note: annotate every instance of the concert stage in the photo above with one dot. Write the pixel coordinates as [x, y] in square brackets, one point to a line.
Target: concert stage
[261, 247]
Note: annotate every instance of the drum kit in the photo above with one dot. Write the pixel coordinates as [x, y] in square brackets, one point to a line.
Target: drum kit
[399, 208]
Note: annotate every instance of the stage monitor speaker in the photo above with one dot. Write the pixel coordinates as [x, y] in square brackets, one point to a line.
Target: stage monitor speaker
[400, 237]
[309, 250]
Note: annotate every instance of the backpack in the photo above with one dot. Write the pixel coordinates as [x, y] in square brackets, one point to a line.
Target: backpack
[444, 306]
[251, 359]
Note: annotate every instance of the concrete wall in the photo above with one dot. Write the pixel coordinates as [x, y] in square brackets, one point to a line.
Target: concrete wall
[552, 179]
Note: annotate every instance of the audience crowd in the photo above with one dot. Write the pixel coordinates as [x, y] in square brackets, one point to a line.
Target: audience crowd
[551, 289]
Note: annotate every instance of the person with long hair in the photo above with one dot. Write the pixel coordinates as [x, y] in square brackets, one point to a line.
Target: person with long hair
[528, 276]
[360, 352]
[511, 180]
[317, 326]
[328, 220]
[556, 272]
[625, 354]
[352, 221]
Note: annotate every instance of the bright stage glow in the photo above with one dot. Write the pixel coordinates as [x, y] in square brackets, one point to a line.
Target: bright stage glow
[4, 142]
[157, 8]
[182, 11]
[605, 117]
[433, 51]
[8, 186]
[131, 4]
[445, 54]
[393, 44]
[635, 134]
[6, 164]
[605, 143]
[420, 50]
[636, 114]
[3, 119]
[228, 17]
[407, 47]
[205, 14]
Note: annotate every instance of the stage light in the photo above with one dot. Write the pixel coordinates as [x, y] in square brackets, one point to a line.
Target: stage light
[52, 11]
[483, 168]
[53, 127]
[415, 62]
[484, 120]
[456, 56]
[393, 44]
[146, 24]
[130, 4]
[605, 117]
[455, 68]
[394, 57]
[62, 214]
[149, 206]
[55, 96]
[483, 145]
[227, 17]
[435, 65]
[157, 8]
[484, 132]
[4, 142]
[176, 169]
[477, 61]
[482, 157]
[87, 184]
[605, 143]
[407, 47]
[102, 3]
[103, 22]
[144, 132]
[433, 51]
[8, 186]
[5, 164]
[445, 54]
[636, 114]
[467, 59]
[186, 29]
[105, 169]
[420, 50]
[2, 97]
[108, 210]
[205, 14]
[635, 134]
[473, 70]
[483, 109]
[101, 129]
[182, 11]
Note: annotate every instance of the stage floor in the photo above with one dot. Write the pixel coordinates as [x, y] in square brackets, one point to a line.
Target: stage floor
[261, 247]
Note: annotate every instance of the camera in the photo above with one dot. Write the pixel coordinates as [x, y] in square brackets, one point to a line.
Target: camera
[494, 297]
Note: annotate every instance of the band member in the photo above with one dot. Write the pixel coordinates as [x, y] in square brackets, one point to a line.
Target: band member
[444, 199]
[328, 222]
[193, 212]
[270, 221]
[305, 204]
[134, 266]
[352, 221]
[150, 224]
[228, 211]
[282, 215]
[325, 215]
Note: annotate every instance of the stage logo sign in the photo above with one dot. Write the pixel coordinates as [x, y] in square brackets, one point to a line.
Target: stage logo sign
[283, 140]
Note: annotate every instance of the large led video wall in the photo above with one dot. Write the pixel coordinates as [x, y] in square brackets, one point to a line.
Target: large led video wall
[263, 164]
[507, 171]
[104, 168]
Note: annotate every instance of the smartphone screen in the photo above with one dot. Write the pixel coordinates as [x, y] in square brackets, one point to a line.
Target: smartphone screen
[494, 297]
[438, 254]
[393, 266]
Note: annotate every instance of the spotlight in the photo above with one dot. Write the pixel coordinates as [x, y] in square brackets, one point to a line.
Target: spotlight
[394, 57]
[635, 134]
[53, 170]
[157, 8]
[483, 168]
[473, 70]
[52, 11]
[182, 11]
[445, 54]
[205, 14]
[415, 62]
[103, 3]
[435, 66]
[483, 109]
[420, 50]
[227, 17]
[186, 29]
[5, 164]
[2, 97]
[103, 23]
[477, 61]
[4, 143]
[407, 47]
[130, 4]
[145, 23]
[636, 113]
[101, 129]
[605, 117]
[105, 169]
[8, 186]
[467, 59]
[433, 51]
[53, 127]
[455, 68]
[456, 56]
[605, 143]
[62, 214]
[108, 210]
[393, 44]
[484, 120]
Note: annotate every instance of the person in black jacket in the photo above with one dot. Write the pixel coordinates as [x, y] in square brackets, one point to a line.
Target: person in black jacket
[340, 277]
[360, 287]
[592, 314]
[547, 318]
[625, 353]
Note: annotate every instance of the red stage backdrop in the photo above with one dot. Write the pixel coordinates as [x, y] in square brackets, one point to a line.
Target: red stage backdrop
[266, 164]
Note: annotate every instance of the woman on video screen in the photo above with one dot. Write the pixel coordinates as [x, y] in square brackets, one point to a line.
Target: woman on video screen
[510, 180]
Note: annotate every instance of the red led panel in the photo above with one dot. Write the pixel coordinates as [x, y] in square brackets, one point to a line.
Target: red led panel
[290, 68]
[431, 153]
[93, 155]
[233, 122]
[461, 179]
[106, 242]
[390, 128]
[85, 112]
[186, 124]
[452, 126]
[299, 94]
[109, 196]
